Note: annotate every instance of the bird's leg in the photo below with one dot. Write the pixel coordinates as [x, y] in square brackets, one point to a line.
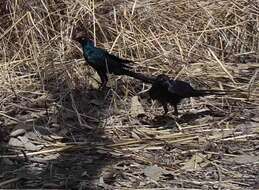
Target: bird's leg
[104, 79]
[165, 108]
[175, 110]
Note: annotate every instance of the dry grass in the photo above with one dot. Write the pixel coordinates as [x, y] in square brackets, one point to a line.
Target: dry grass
[45, 87]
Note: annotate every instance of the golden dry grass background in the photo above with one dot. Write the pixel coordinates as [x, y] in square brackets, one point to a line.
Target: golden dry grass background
[213, 44]
[163, 36]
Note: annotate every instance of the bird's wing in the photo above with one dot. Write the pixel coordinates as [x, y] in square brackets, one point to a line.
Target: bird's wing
[116, 60]
[94, 54]
[100, 53]
[101, 56]
[180, 88]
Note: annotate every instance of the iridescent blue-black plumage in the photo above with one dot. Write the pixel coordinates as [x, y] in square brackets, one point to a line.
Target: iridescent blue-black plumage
[104, 62]
[101, 59]
[167, 91]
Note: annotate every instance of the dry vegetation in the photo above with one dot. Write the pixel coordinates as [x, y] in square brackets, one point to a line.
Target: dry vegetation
[78, 137]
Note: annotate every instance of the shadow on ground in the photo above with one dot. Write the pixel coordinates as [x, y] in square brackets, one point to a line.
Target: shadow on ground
[63, 146]
[170, 120]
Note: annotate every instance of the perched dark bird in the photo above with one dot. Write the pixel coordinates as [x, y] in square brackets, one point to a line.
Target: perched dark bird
[104, 62]
[166, 90]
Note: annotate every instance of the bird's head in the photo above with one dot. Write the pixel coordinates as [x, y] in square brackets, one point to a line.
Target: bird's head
[81, 37]
[162, 78]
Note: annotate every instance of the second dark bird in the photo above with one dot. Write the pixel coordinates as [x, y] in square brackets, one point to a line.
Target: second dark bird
[168, 91]
[104, 62]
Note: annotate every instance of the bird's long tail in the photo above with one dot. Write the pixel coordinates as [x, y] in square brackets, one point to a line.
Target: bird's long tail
[139, 76]
[197, 93]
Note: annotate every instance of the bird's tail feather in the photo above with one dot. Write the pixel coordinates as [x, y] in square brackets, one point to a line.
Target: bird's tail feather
[211, 92]
[139, 76]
